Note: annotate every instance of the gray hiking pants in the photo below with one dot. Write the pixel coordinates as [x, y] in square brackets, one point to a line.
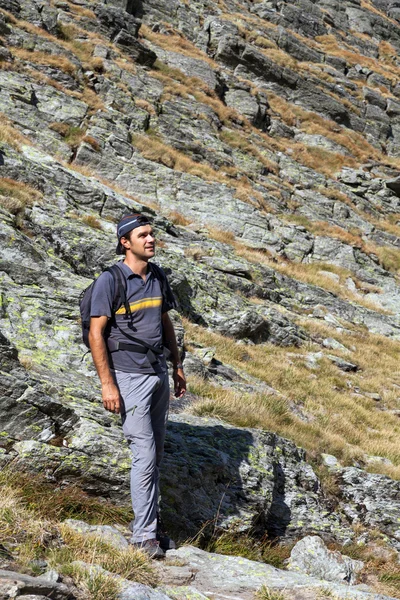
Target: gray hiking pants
[144, 414]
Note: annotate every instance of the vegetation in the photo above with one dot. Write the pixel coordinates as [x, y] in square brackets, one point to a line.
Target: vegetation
[16, 196]
[328, 400]
[266, 593]
[31, 511]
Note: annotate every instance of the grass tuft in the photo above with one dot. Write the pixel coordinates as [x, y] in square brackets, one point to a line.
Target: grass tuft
[16, 196]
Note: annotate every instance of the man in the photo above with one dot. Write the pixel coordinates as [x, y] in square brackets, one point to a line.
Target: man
[135, 381]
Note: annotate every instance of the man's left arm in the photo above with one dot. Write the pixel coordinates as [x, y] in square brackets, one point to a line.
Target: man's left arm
[170, 342]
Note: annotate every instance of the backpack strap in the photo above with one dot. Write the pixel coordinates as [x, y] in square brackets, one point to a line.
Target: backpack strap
[119, 289]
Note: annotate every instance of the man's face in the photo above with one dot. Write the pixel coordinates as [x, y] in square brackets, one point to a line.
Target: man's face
[140, 241]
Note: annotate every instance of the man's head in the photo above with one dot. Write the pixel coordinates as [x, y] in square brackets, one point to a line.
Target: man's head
[135, 233]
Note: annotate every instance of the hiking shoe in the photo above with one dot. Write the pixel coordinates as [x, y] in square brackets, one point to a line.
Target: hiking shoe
[165, 541]
[149, 547]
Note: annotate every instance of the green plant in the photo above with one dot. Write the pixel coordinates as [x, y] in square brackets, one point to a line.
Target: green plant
[265, 593]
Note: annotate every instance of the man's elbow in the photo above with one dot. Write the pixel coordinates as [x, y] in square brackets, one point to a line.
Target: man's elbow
[95, 337]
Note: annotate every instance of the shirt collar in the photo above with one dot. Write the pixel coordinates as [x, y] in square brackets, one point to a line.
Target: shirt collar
[129, 274]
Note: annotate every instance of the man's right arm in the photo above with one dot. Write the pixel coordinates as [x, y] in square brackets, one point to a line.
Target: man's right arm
[109, 390]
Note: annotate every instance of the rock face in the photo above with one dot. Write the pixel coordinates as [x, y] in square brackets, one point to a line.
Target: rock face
[263, 140]
[242, 479]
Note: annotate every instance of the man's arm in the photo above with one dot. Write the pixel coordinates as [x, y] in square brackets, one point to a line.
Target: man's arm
[170, 342]
[109, 390]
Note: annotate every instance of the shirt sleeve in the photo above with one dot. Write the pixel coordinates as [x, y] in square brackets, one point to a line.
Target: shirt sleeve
[103, 296]
[169, 301]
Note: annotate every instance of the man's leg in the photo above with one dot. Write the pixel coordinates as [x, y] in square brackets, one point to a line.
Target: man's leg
[137, 392]
[159, 416]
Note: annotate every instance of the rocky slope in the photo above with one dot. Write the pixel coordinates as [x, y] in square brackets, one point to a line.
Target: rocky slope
[263, 138]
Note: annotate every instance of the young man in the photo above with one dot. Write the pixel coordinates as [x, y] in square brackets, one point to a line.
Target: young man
[135, 382]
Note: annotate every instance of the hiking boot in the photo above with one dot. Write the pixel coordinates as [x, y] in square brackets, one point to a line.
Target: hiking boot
[165, 541]
[149, 547]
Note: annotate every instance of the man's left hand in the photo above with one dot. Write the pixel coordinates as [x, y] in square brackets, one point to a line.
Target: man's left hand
[179, 383]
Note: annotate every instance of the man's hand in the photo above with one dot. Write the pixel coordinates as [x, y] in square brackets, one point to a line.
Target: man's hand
[111, 398]
[179, 382]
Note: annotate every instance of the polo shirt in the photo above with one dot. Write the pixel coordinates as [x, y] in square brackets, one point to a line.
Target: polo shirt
[147, 305]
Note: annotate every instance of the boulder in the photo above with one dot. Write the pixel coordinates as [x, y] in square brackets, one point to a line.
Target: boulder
[311, 556]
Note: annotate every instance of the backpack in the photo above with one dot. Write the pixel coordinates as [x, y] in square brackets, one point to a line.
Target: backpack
[120, 299]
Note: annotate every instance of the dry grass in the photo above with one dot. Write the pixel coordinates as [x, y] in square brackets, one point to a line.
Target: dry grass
[236, 140]
[381, 567]
[74, 136]
[44, 58]
[30, 514]
[178, 218]
[154, 150]
[174, 41]
[311, 274]
[10, 134]
[91, 548]
[176, 83]
[91, 221]
[16, 196]
[329, 44]
[92, 583]
[323, 161]
[140, 103]
[336, 417]
[312, 123]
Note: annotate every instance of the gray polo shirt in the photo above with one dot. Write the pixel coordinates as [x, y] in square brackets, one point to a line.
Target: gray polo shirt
[147, 305]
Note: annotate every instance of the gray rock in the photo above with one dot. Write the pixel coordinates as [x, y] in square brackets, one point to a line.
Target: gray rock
[109, 534]
[255, 471]
[137, 51]
[222, 577]
[372, 500]
[311, 556]
[17, 584]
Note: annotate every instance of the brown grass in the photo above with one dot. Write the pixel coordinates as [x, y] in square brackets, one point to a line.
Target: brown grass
[178, 218]
[10, 134]
[307, 273]
[329, 44]
[74, 136]
[236, 140]
[175, 42]
[340, 425]
[154, 150]
[44, 58]
[145, 105]
[16, 196]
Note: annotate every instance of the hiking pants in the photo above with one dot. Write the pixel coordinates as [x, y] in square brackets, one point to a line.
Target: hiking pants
[144, 411]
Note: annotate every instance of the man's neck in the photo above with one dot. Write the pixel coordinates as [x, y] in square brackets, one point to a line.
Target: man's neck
[137, 265]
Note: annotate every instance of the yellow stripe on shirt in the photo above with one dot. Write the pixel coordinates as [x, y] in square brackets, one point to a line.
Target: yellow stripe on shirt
[141, 304]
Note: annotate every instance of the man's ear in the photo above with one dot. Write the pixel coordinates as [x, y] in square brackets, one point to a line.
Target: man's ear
[125, 242]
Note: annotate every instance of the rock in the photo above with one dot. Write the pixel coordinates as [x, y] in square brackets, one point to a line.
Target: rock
[222, 577]
[17, 584]
[311, 556]
[394, 184]
[344, 365]
[109, 534]
[331, 462]
[335, 345]
[137, 51]
[372, 500]
[252, 471]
